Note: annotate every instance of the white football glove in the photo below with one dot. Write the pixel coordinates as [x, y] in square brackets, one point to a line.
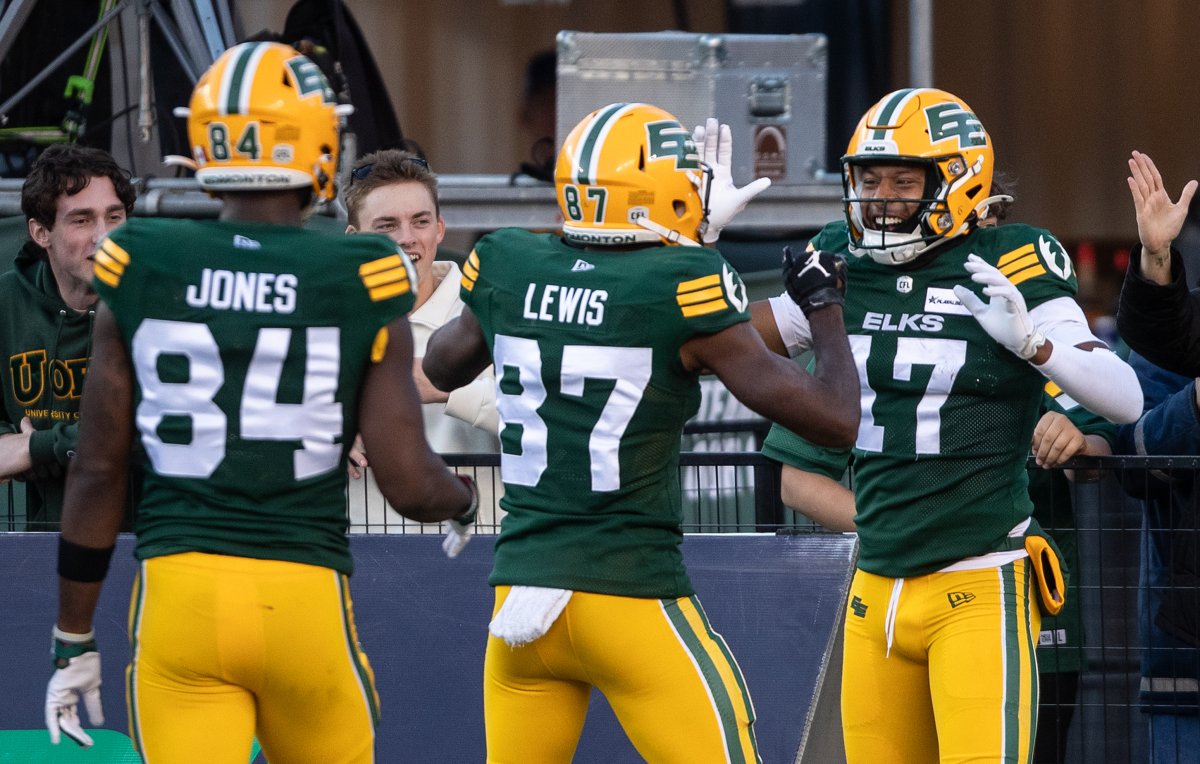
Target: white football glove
[461, 527]
[714, 144]
[76, 673]
[456, 537]
[1004, 317]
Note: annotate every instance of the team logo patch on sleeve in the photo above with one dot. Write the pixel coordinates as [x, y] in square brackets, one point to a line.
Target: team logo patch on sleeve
[385, 277]
[111, 261]
[701, 296]
[470, 271]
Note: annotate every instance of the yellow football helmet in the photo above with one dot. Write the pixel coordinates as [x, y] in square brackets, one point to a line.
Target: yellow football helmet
[629, 173]
[939, 132]
[262, 118]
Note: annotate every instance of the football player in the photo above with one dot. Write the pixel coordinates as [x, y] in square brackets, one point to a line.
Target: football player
[244, 352]
[599, 336]
[955, 329]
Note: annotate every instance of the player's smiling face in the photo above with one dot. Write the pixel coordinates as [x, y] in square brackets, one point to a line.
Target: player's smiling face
[898, 189]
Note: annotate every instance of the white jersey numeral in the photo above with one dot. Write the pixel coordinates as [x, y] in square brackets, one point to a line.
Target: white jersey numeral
[316, 421]
[630, 370]
[524, 355]
[947, 358]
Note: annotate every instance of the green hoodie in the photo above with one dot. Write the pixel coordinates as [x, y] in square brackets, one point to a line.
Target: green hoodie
[47, 346]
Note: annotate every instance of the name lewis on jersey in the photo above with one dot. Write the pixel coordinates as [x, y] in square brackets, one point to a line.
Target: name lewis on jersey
[239, 290]
[565, 305]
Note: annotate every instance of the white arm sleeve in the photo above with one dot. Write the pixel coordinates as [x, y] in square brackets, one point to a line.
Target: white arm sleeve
[475, 403]
[792, 324]
[1099, 380]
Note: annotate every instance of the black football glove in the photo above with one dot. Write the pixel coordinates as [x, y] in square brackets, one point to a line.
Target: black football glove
[814, 279]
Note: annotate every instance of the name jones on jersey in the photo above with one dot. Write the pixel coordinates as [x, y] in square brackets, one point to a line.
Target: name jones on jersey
[238, 290]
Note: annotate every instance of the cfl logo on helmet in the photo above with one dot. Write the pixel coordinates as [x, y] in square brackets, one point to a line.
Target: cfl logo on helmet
[283, 153]
[638, 212]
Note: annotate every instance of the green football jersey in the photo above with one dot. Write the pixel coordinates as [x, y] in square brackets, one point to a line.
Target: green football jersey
[592, 398]
[947, 413]
[248, 343]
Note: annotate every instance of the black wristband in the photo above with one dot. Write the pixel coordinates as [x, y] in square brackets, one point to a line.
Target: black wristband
[82, 563]
[822, 298]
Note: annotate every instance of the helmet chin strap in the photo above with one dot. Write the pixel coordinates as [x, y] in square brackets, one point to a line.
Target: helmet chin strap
[671, 237]
[981, 209]
[175, 160]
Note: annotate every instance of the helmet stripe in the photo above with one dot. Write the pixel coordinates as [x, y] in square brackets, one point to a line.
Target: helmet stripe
[231, 78]
[588, 161]
[889, 110]
[238, 80]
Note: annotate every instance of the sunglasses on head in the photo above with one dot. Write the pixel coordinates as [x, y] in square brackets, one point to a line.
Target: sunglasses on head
[361, 173]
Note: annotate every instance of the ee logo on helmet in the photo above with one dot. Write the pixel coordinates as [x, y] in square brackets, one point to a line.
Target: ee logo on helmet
[669, 139]
[310, 79]
[949, 120]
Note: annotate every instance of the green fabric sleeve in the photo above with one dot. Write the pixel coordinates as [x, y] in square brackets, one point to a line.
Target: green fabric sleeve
[786, 447]
[53, 446]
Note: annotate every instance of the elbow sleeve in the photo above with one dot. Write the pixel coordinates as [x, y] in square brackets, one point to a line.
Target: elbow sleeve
[1098, 379]
[475, 404]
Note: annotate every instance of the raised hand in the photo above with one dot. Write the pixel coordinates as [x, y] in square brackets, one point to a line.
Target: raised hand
[1159, 220]
[1004, 317]
[714, 144]
[814, 279]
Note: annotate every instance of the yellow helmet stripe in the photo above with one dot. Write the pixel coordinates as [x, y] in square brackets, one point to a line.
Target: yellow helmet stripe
[587, 163]
[237, 80]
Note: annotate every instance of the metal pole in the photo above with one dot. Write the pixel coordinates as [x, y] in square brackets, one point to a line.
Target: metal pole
[58, 61]
[920, 43]
[10, 24]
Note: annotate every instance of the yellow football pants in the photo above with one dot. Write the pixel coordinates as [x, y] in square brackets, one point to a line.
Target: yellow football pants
[670, 679]
[960, 682]
[226, 648]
